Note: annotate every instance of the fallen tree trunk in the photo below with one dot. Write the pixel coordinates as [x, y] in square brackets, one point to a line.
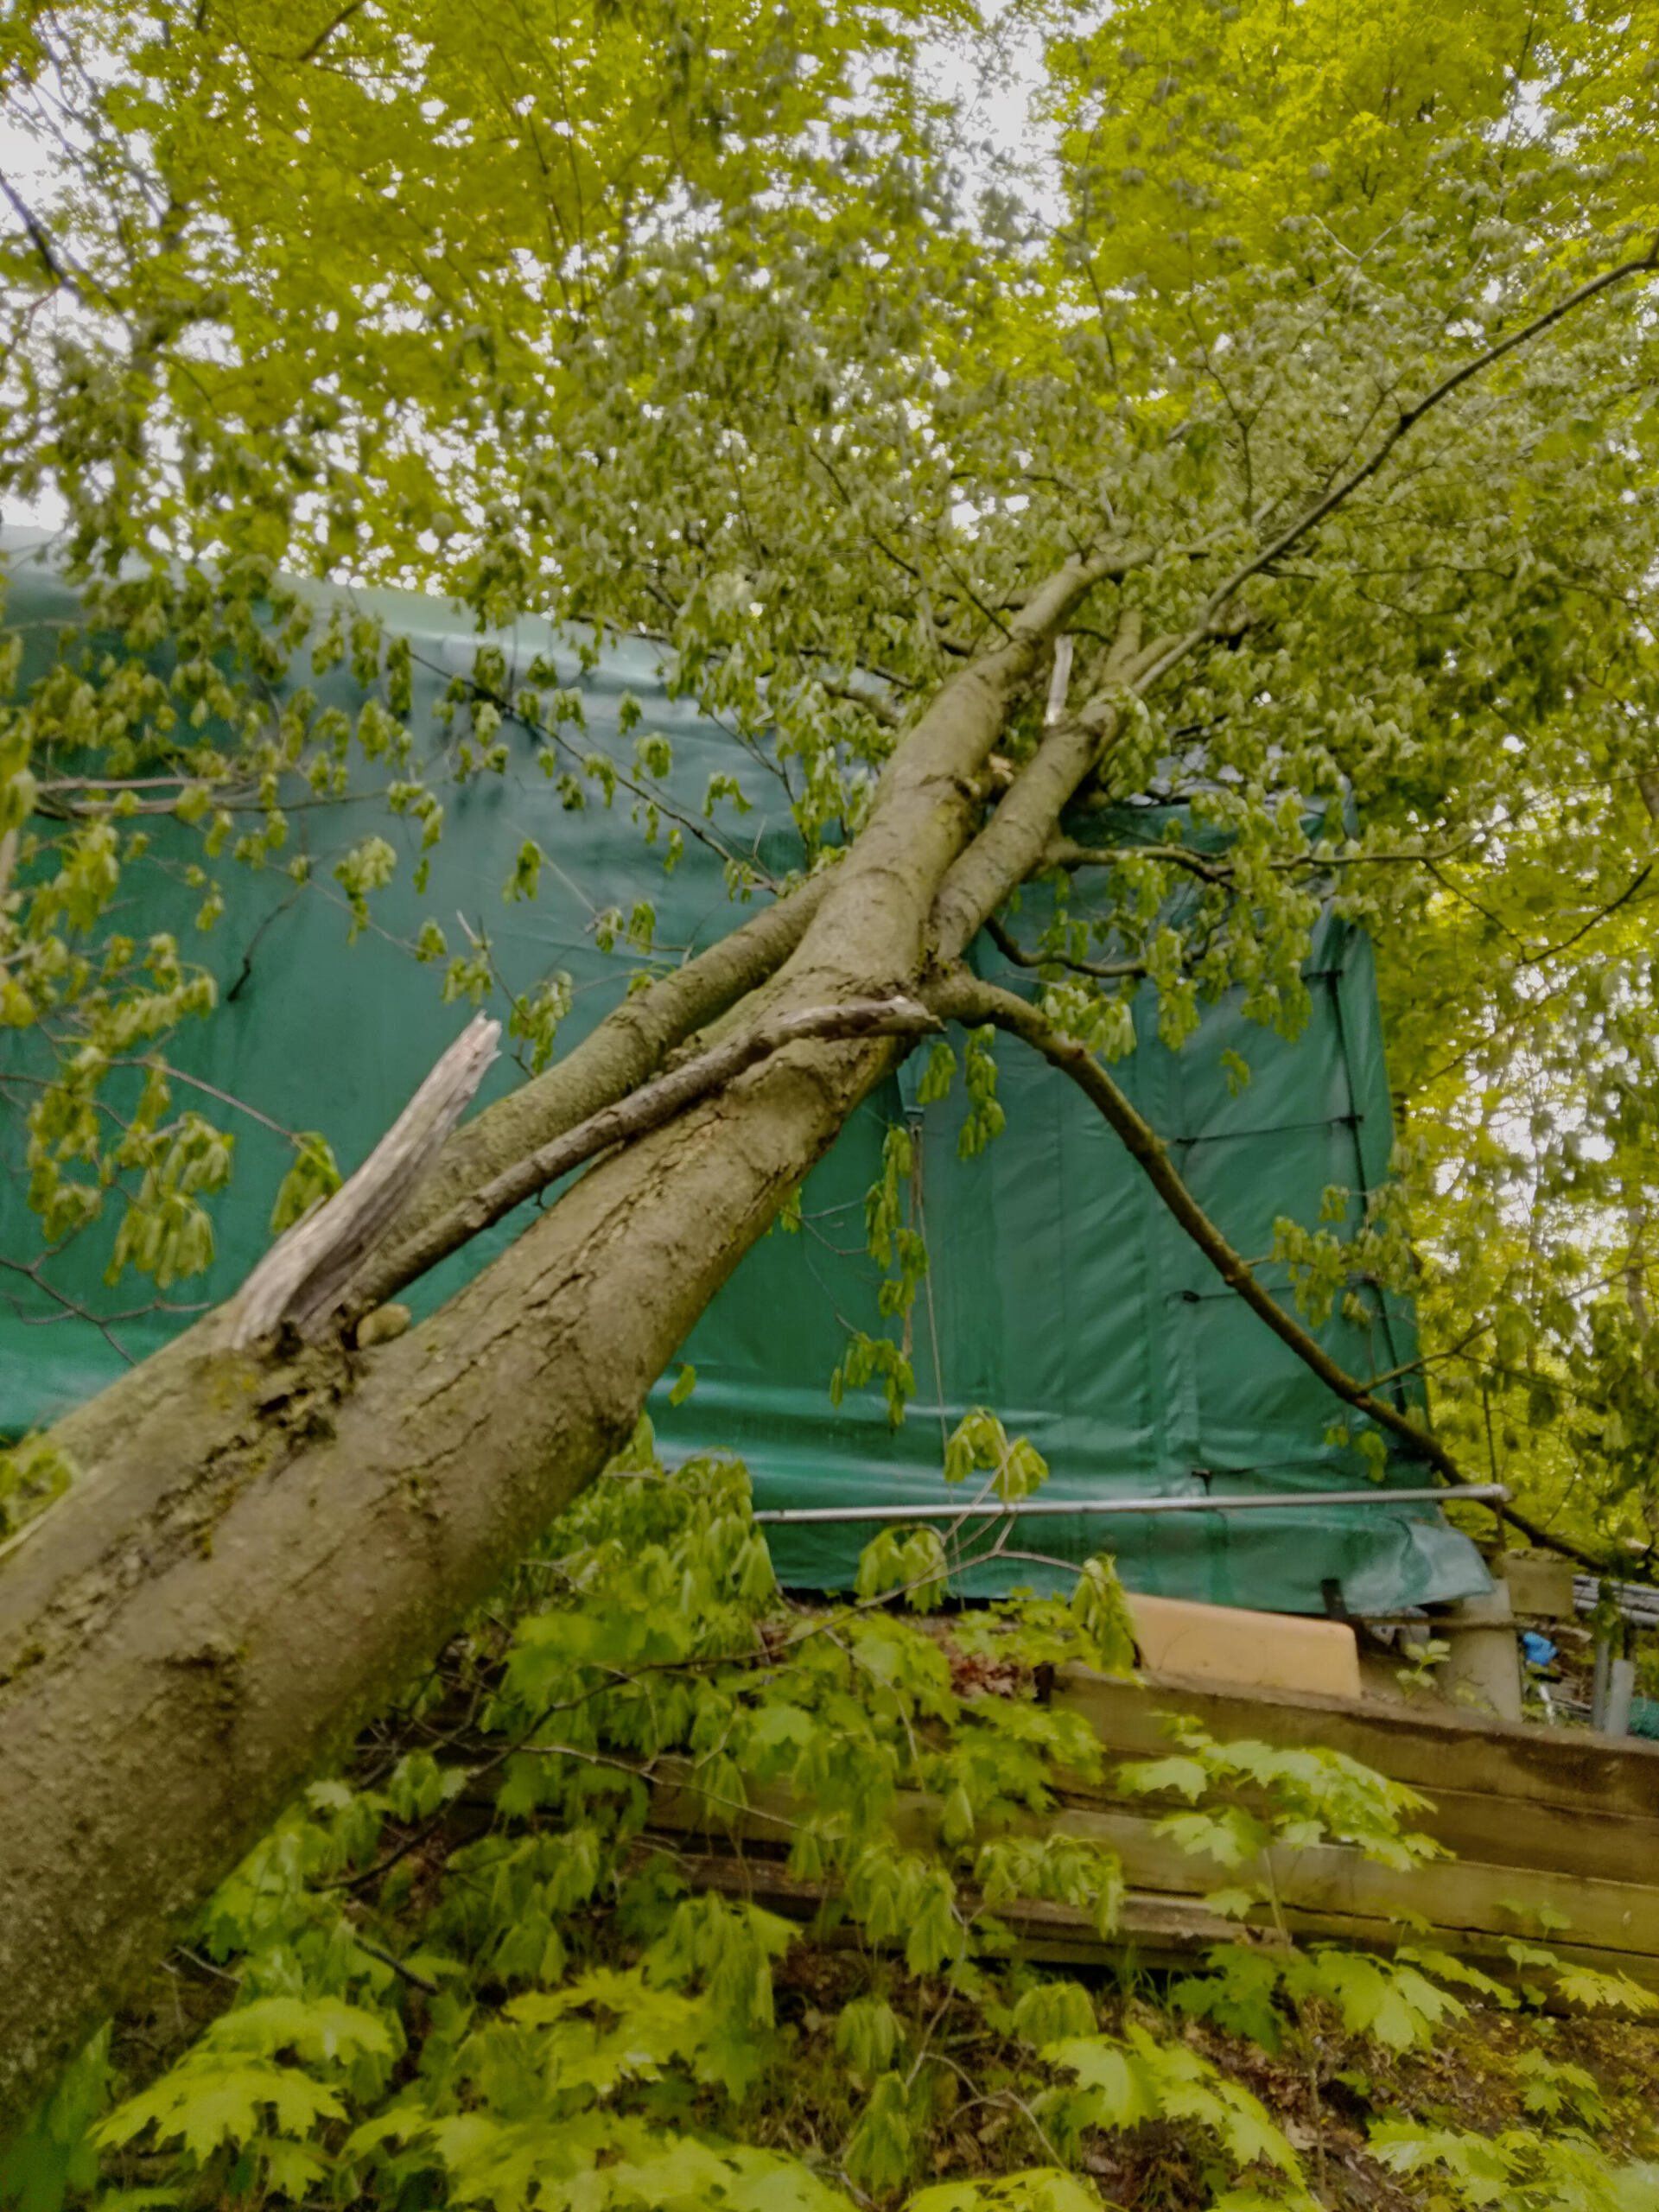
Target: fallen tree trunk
[261, 1543]
[239, 1614]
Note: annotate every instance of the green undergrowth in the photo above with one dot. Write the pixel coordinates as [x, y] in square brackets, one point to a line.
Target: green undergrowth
[527, 1951]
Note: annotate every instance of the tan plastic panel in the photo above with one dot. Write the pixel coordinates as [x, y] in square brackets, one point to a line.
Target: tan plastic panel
[1245, 1651]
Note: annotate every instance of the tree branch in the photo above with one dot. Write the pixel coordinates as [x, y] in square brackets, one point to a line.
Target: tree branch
[880, 913]
[1069, 854]
[963, 998]
[625, 1050]
[1011, 949]
[1012, 842]
[645, 1110]
[40, 238]
[1404, 423]
[335, 22]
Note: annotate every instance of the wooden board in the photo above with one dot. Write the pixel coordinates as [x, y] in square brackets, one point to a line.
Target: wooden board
[1324, 1889]
[1458, 1896]
[1501, 1831]
[1428, 1744]
[1158, 1931]
[1154, 1929]
[1555, 1832]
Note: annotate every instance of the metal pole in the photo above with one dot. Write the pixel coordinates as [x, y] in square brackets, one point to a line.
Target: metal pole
[1621, 1688]
[995, 1510]
[1638, 1601]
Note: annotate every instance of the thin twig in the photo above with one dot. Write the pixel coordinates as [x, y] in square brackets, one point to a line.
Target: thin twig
[40, 238]
[387, 1959]
[328, 31]
[1009, 946]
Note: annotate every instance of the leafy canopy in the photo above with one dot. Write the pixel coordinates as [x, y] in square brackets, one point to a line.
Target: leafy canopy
[727, 325]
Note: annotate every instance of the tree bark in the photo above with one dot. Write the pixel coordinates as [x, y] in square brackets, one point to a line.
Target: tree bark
[171, 1676]
[261, 1547]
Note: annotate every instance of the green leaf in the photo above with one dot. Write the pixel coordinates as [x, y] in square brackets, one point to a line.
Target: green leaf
[203, 2106]
[1592, 1991]
[1041, 2189]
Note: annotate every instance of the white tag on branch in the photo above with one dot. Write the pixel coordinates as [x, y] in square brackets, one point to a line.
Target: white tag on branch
[1060, 682]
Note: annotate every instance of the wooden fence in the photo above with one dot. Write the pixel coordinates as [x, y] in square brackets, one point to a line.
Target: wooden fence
[1555, 1833]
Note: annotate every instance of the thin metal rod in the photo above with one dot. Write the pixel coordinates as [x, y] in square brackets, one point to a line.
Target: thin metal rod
[1638, 1601]
[994, 1509]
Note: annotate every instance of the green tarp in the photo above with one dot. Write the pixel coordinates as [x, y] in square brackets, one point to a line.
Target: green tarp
[1060, 1292]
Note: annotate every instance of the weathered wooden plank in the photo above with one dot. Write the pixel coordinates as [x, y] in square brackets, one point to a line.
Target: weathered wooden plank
[1435, 1749]
[1154, 1929]
[1463, 1898]
[1159, 1930]
[1501, 1831]
[1551, 1829]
